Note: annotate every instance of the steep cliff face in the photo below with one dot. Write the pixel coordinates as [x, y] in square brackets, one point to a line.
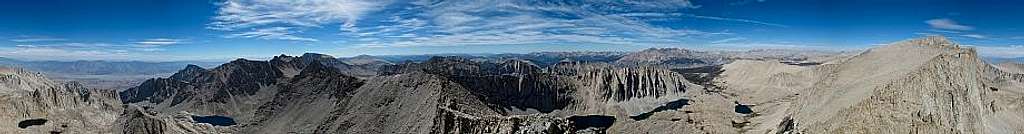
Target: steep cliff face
[927, 85]
[31, 103]
[635, 90]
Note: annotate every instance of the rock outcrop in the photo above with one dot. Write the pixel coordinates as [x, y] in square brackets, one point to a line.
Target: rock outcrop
[31, 103]
[138, 120]
[928, 85]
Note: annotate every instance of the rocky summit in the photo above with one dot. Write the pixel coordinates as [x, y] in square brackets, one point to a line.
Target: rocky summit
[926, 85]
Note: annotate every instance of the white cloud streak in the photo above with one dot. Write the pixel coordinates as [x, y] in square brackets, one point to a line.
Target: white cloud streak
[976, 36]
[734, 20]
[27, 39]
[727, 40]
[272, 33]
[948, 24]
[157, 42]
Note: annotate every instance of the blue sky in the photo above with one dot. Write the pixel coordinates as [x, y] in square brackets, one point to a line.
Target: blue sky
[168, 30]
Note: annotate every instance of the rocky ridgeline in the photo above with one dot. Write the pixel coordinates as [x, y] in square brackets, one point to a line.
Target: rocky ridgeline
[927, 85]
[455, 122]
[587, 86]
[31, 103]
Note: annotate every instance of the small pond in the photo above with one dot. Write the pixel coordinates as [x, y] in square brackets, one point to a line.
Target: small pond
[215, 120]
[743, 109]
[591, 121]
[31, 122]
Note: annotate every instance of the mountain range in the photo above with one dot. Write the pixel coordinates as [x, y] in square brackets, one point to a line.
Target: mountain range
[925, 85]
[113, 75]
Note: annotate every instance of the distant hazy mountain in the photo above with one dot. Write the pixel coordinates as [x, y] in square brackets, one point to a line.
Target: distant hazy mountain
[102, 74]
[1001, 60]
[100, 67]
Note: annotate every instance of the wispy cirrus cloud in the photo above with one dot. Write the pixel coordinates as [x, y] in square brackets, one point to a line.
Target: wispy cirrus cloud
[272, 33]
[465, 22]
[727, 40]
[280, 19]
[976, 36]
[495, 22]
[157, 42]
[25, 39]
[947, 24]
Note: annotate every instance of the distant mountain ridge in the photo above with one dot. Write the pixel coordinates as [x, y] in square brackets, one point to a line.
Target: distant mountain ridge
[113, 75]
[83, 67]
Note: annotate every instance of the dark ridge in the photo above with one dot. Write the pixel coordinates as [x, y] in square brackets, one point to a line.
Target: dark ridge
[743, 109]
[685, 61]
[445, 66]
[514, 83]
[191, 73]
[668, 106]
[153, 90]
[700, 75]
[800, 63]
[324, 59]
[215, 120]
[31, 122]
[600, 122]
[317, 69]
[786, 126]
